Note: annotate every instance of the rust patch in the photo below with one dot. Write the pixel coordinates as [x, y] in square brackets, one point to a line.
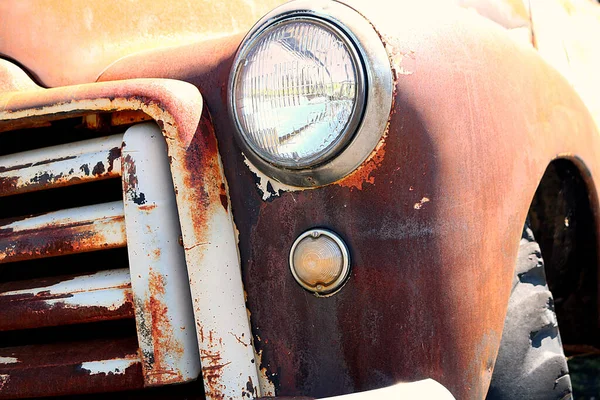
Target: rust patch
[8, 184]
[364, 174]
[157, 369]
[57, 240]
[128, 117]
[212, 369]
[147, 207]
[29, 311]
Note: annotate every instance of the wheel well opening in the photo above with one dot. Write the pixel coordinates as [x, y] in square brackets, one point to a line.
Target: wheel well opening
[563, 223]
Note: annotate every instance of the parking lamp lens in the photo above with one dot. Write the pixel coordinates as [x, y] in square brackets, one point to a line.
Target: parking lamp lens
[297, 92]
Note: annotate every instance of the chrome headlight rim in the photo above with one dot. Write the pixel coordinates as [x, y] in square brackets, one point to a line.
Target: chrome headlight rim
[357, 111]
[377, 86]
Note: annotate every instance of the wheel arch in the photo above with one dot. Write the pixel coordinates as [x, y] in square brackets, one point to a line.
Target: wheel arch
[564, 218]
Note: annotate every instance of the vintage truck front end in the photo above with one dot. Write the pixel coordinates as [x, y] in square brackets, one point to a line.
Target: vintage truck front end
[419, 195]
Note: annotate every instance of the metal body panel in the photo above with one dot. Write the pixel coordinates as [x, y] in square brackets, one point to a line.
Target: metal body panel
[432, 219]
[89, 228]
[102, 296]
[228, 364]
[160, 284]
[70, 43]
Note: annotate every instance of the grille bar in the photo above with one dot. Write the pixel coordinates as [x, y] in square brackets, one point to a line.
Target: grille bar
[64, 165]
[76, 230]
[74, 367]
[159, 279]
[102, 296]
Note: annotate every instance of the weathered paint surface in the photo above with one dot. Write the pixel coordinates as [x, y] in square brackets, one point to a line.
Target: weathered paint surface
[101, 296]
[69, 164]
[88, 228]
[76, 367]
[161, 290]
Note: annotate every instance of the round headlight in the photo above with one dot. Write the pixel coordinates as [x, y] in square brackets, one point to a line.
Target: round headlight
[298, 94]
[306, 82]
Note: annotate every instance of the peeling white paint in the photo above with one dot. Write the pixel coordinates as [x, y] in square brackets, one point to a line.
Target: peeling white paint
[3, 380]
[111, 299]
[264, 181]
[116, 366]
[419, 205]
[98, 281]
[267, 388]
[8, 360]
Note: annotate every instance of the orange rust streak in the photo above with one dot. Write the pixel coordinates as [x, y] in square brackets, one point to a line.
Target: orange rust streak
[163, 342]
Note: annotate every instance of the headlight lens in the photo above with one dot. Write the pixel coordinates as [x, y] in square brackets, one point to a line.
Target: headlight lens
[298, 92]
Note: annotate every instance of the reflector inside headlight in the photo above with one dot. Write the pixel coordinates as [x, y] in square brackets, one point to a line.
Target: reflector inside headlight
[298, 92]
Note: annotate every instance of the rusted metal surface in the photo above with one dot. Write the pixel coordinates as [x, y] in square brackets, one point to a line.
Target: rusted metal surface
[128, 117]
[68, 164]
[64, 368]
[88, 228]
[430, 279]
[432, 219]
[102, 296]
[209, 240]
[161, 290]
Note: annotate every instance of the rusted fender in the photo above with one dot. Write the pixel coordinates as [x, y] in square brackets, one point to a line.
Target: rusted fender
[433, 219]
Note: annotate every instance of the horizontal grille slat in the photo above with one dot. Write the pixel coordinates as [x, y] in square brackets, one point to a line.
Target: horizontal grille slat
[63, 368]
[76, 230]
[102, 296]
[63, 165]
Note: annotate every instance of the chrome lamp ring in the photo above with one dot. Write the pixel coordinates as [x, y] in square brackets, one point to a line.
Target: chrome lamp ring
[373, 103]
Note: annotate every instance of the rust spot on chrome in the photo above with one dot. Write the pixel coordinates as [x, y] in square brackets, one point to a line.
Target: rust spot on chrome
[147, 207]
[8, 184]
[212, 371]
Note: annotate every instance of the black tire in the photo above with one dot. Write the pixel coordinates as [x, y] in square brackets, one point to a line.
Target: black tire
[531, 363]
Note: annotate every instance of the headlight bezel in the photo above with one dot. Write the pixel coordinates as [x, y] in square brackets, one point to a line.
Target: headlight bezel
[346, 135]
[366, 127]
